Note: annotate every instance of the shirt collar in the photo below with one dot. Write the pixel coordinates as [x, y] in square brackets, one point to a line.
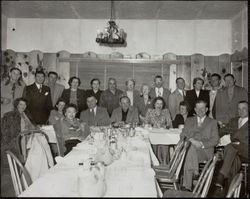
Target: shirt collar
[244, 120]
[202, 119]
[38, 85]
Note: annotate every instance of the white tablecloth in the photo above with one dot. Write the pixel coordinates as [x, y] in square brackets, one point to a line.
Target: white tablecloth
[129, 176]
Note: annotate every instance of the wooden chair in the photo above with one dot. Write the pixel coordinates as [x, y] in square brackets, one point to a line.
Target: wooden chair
[244, 169]
[20, 176]
[235, 185]
[202, 186]
[22, 140]
[168, 176]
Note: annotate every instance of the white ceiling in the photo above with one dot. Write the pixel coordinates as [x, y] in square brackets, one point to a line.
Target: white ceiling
[168, 10]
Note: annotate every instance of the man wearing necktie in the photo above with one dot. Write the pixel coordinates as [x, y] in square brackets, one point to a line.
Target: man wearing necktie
[235, 152]
[202, 132]
[95, 115]
[39, 99]
[159, 90]
[176, 97]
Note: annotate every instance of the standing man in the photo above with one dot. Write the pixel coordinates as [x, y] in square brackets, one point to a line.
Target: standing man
[55, 88]
[196, 94]
[95, 115]
[95, 89]
[159, 91]
[215, 88]
[111, 96]
[11, 89]
[176, 97]
[227, 100]
[39, 99]
[202, 132]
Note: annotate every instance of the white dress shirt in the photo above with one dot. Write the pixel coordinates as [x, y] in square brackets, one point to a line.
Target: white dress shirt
[212, 95]
[197, 93]
[242, 121]
[93, 109]
[159, 91]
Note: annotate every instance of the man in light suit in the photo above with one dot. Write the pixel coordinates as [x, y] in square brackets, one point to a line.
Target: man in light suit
[39, 99]
[176, 97]
[55, 88]
[227, 100]
[125, 113]
[158, 90]
[235, 152]
[95, 115]
[202, 132]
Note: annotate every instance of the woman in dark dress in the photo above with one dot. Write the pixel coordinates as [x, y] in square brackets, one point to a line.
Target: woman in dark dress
[182, 116]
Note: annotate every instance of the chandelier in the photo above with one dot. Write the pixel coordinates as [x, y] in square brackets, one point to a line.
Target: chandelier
[111, 34]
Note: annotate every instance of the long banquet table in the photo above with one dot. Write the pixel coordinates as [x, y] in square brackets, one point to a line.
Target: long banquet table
[130, 175]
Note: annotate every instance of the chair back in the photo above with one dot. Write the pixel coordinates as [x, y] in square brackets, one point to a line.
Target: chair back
[179, 159]
[176, 153]
[22, 140]
[235, 185]
[20, 176]
[205, 179]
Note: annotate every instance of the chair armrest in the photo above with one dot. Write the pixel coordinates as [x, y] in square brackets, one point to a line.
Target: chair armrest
[161, 167]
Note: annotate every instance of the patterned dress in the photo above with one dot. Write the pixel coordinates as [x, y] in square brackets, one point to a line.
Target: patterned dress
[158, 120]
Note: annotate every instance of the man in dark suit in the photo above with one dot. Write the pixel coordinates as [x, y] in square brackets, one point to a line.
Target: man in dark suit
[215, 88]
[227, 100]
[159, 90]
[125, 114]
[95, 89]
[39, 99]
[74, 95]
[235, 152]
[202, 132]
[95, 115]
[196, 94]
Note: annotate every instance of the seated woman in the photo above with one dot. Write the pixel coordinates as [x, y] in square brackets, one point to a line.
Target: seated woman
[182, 116]
[143, 102]
[159, 117]
[57, 113]
[13, 123]
[69, 130]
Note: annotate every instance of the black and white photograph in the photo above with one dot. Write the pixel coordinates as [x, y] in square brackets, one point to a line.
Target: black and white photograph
[124, 99]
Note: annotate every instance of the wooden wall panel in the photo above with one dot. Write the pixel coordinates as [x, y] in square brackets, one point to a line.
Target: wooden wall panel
[184, 70]
[121, 72]
[197, 66]
[237, 71]
[170, 72]
[245, 74]
[145, 73]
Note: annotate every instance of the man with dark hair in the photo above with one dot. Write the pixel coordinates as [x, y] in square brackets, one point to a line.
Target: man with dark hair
[197, 93]
[125, 114]
[55, 88]
[95, 115]
[202, 132]
[215, 88]
[159, 90]
[235, 152]
[176, 97]
[227, 100]
[95, 89]
[11, 89]
[39, 99]
[111, 96]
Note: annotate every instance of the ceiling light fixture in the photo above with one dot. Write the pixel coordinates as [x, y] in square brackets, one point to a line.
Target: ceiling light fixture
[111, 34]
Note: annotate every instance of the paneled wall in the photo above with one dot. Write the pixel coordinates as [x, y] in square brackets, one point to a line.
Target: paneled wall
[91, 65]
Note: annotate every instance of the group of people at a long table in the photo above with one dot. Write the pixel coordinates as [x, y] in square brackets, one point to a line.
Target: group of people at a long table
[206, 114]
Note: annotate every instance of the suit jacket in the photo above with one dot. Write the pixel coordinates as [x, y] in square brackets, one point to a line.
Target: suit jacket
[165, 94]
[97, 95]
[81, 99]
[56, 93]
[191, 98]
[39, 104]
[136, 94]
[141, 106]
[226, 109]
[174, 103]
[207, 133]
[237, 134]
[132, 115]
[101, 117]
